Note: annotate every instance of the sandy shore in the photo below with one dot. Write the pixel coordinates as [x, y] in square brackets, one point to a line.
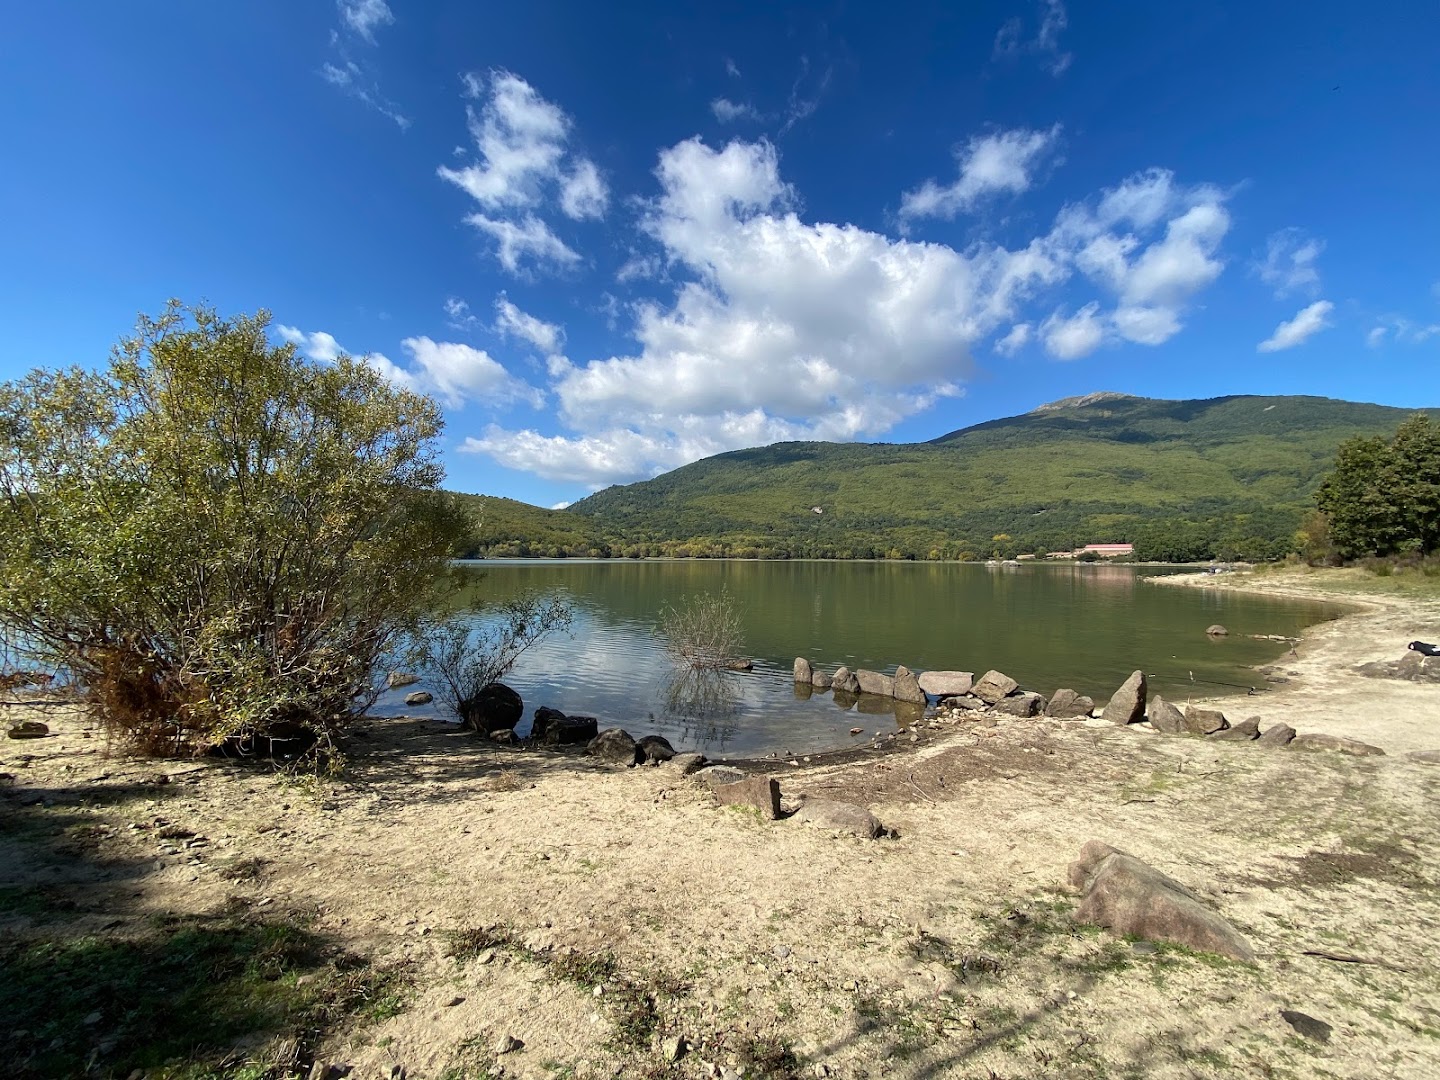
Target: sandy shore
[598, 914]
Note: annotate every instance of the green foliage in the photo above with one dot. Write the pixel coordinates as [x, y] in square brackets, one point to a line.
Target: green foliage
[1383, 496]
[215, 536]
[704, 631]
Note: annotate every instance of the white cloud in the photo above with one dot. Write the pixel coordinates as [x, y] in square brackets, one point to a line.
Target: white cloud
[323, 348]
[1376, 337]
[457, 314]
[1308, 321]
[560, 506]
[988, 163]
[1076, 336]
[524, 162]
[727, 111]
[1289, 263]
[363, 16]
[731, 69]
[1018, 337]
[1400, 330]
[512, 322]
[1010, 42]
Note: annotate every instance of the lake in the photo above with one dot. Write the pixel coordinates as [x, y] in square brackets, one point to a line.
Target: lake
[1083, 626]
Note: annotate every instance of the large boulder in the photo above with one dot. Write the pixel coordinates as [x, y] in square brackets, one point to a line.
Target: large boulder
[819, 680]
[1204, 721]
[397, 679]
[571, 730]
[1024, 704]
[872, 682]
[992, 686]
[1067, 704]
[761, 793]
[1315, 740]
[839, 816]
[1165, 717]
[653, 749]
[1132, 898]
[947, 683]
[544, 717]
[907, 686]
[614, 746]
[419, 697]
[803, 671]
[1244, 731]
[845, 681]
[1127, 705]
[1276, 735]
[495, 707]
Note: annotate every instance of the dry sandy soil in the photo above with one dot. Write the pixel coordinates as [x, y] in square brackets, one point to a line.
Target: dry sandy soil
[595, 914]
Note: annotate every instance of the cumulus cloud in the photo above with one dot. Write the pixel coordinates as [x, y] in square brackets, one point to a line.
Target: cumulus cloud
[1307, 322]
[1074, 336]
[524, 165]
[1011, 42]
[1002, 162]
[453, 372]
[1289, 263]
[510, 321]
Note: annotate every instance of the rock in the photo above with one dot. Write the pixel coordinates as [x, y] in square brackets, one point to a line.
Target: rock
[28, 729]
[419, 697]
[872, 682]
[1412, 667]
[739, 665]
[1308, 1026]
[496, 706]
[544, 715]
[400, 678]
[907, 687]
[571, 730]
[1276, 735]
[505, 736]
[1132, 898]
[686, 764]
[839, 816]
[1025, 704]
[820, 680]
[993, 686]
[1314, 740]
[614, 746]
[719, 774]
[1127, 705]
[1244, 731]
[673, 1048]
[947, 683]
[845, 680]
[1204, 721]
[804, 673]
[1067, 704]
[654, 748]
[759, 792]
[1165, 717]
[1217, 631]
[966, 701]
[1425, 757]
[508, 1044]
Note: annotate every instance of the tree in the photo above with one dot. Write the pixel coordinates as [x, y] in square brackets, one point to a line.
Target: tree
[1382, 496]
[216, 537]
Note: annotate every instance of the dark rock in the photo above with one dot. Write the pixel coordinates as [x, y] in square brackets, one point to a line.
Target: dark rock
[1127, 705]
[505, 737]
[615, 746]
[967, 701]
[1165, 717]
[1314, 740]
[544, 716]
[1412, 667]
[845, 680]
[872, 682]
[687, 763]
[571, 730]
[419, 697]
[1308, 1026]
[1244, 731]
[494, 707]
[1204, 721]
[1025, 704]
[760, 792]
[839, 816]
[907, 687]
[1067, 704]
[714, 775]
[992, 686]
[804, 673]
[947, 683]
[28, 729]
[397, 679]
[654, 748]
[1276, 735]
[1217, 631]
[739, 665]
[820, 680]
[1132, 898]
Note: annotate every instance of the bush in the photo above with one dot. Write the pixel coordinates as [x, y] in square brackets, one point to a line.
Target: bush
[216, 537]
[704, 631]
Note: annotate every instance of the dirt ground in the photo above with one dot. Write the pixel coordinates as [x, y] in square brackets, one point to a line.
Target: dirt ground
[597, 914]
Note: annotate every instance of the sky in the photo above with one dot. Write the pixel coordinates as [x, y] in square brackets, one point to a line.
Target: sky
[614, 239]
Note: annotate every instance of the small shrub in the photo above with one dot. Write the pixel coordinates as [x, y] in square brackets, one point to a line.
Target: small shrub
[704, 631]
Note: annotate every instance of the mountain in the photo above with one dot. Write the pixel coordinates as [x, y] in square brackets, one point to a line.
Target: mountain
[506, 527]
[1227, 476]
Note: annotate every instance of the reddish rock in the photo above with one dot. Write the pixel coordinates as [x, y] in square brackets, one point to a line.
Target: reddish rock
[760, 792]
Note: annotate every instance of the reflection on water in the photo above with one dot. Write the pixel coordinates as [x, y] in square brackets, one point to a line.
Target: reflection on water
[1073, 625]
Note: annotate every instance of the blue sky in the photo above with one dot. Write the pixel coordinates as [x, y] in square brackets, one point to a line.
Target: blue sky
[613, 242]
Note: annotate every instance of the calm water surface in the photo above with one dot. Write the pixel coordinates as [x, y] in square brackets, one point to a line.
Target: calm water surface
[1080, 626]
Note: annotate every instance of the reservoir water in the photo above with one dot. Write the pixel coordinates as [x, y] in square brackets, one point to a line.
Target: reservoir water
[1083, 626]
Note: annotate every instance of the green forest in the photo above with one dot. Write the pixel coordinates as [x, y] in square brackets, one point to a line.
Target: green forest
[1225, 478]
